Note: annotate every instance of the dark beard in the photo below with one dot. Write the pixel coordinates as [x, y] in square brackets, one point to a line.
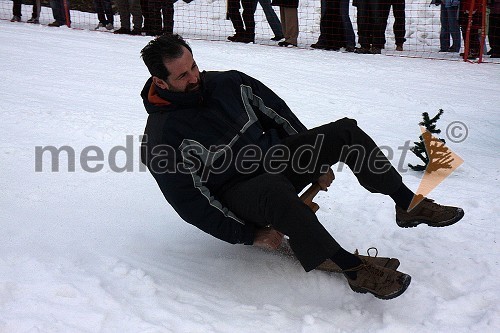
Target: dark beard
[193, 87]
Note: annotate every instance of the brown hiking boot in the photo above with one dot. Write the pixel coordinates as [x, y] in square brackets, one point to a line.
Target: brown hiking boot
[391, 263]
[381, 282]
[430, 213]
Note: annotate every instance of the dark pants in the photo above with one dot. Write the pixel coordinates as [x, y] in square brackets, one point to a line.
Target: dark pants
[350, 38]
[271, 198]
[152, 10]
[398, 10]
[167, 11]
[145, 14]
[494, 33]
[243, 24]
[449, 27]
[59, 11]
[127, 7]
[104, 11]
[16, 8]
[332, 26]
[463, 19]
[370, 30]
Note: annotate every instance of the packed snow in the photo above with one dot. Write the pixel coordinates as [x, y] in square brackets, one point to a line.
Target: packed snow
[102, 251]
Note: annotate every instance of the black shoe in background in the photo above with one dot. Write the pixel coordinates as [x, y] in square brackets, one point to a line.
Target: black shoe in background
[55, 24]
[362, 50]
[286, 44]
[321, 46]
[122, 31]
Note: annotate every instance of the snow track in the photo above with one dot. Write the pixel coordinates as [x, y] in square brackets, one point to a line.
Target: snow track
[102, 251]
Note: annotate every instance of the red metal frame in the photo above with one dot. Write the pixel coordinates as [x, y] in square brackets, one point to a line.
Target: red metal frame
[66, 12]
[483, 30]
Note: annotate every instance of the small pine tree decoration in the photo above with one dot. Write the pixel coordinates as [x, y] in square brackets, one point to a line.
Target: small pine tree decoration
[419, 148]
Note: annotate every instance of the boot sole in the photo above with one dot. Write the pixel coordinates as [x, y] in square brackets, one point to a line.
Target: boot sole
[412, 224]
[406, 282]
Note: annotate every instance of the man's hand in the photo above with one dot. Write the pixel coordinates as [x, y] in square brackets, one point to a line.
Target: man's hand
[268, 238]
[326, 179]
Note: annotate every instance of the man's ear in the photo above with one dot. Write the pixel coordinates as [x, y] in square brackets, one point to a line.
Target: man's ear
[160, 83]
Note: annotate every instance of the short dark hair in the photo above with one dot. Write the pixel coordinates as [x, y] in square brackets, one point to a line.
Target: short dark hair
[160, 49]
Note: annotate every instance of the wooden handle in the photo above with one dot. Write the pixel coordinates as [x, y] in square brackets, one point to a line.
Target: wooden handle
[308, 196]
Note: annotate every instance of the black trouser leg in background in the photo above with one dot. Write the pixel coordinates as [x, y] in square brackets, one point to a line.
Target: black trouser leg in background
[233, 11]
[167, 11]
[494, 33]
[145, 10]
[399, 27]
[16, 8]
[384, 11]
[248, 17]
[154, 16]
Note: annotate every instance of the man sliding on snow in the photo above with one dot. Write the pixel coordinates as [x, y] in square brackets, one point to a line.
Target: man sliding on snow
[231, 157]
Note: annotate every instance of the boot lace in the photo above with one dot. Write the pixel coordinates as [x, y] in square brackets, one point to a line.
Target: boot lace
[373, 269]
[368, 252]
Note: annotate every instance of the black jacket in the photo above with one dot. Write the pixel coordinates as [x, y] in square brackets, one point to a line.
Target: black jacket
[188, 134]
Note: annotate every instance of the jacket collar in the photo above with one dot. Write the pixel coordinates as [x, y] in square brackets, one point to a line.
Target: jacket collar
[156, 99]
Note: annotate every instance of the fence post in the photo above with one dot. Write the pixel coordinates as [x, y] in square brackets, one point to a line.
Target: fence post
[66, 13]
[467, 32]
[483, 31]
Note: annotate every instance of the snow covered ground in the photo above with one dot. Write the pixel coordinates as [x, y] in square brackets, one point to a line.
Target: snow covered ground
[103, 252]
